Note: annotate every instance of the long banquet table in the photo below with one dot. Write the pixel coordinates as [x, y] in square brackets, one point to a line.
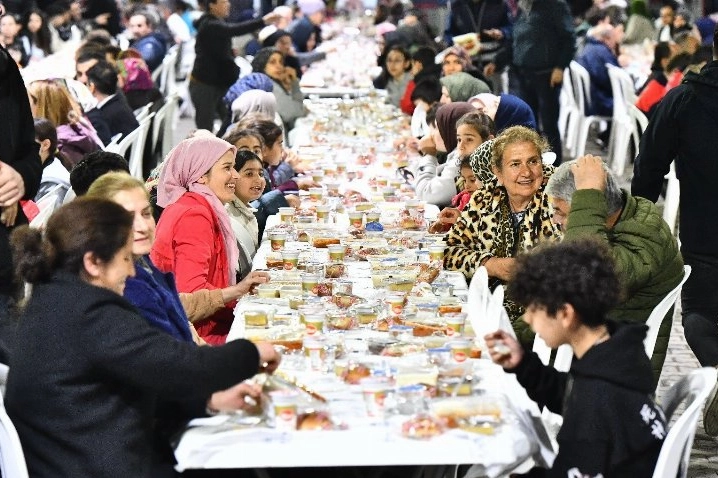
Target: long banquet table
[228, 442]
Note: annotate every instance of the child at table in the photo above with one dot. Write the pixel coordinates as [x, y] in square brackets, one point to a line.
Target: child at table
[611, 425]
[395, 64]
[459, 202]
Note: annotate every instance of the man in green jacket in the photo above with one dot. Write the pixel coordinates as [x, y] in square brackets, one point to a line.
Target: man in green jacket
[587, 202]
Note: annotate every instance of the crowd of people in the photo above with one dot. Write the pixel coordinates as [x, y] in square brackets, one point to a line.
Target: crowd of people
[134, 281]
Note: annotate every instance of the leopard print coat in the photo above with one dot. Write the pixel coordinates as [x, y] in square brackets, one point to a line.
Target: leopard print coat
[485, 229]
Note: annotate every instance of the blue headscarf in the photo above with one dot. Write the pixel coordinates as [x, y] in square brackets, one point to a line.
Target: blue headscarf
[253, 81]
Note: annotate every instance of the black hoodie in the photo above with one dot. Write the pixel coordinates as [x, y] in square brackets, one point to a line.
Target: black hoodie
[610, 425]
[683, 127]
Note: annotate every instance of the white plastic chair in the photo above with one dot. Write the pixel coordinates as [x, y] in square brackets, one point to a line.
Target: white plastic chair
[136, 139]
[47, 205]
[141, 113]
[694, 389]
[12, 459]
[623, 127]
[168, 75]
[569, 113]
[245, 67]
[582, 89]
[659, 312]
[672, 199]
[163, 125]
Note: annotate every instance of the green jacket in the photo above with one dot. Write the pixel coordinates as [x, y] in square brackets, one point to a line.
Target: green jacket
[647, 256]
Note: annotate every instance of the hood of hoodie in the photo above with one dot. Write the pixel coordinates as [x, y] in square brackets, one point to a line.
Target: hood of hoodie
[705, 85]
[621, 359]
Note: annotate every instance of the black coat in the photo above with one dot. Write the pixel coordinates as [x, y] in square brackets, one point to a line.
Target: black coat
[214, 64]
[611, 426]
[17, 149]
[87, 372]
[683, 127]
[112, 118]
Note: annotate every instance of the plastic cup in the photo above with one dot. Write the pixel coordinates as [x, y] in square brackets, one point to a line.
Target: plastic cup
[314, 352]
[375, 391]
[436, 252]
[284, 403]
[395, 302]
[337, 252]
[317, 175]
[323, 213]
[256, 318]
[314, 323]
[455, 323]
[356, 218]
[286, 214]
[309, 281]
[373, 216]
[290, 259]
[277, 240]
[316, 194]
[460, 350]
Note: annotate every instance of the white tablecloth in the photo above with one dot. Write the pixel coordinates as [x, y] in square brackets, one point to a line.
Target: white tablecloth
[218, 443]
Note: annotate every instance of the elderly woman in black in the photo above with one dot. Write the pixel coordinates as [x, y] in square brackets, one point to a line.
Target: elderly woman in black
[87, 370]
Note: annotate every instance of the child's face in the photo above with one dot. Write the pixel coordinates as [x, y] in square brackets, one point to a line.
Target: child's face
[467, 140]
[549, 328]
[249, 143]
[250, 184]
[471, 184]
[396, 64]
[273, 154]
[416, 67]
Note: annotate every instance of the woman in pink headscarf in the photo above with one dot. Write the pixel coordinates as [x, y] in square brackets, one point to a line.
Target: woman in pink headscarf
[194, 237]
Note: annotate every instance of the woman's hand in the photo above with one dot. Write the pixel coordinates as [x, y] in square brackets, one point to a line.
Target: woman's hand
[269, 358]
[306, 183]
[449, 215]
[504, 349]
[293, 200]
[500, 267]
[9, 214]
[234, 398]
[253, 279]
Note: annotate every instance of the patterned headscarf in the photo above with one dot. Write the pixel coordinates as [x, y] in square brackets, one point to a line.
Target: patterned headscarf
[184, 165]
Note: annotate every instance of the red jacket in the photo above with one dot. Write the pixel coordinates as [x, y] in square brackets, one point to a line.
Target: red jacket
[407, 106]
[189, 243]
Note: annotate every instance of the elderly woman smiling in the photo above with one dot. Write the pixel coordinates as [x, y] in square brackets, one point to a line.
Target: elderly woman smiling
[510, 214]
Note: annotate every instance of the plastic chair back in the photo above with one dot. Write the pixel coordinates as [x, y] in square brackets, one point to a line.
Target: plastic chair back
[163, 125]
[659, 312]
[672, 199]
[12, 459]
[47, 205]
[694, 390]
[135, 139]
[141, 113]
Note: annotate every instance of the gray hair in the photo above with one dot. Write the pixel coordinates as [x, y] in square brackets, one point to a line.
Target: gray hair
[561, 185]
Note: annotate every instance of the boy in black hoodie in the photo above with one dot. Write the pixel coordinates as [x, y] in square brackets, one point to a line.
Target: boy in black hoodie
[611, 425]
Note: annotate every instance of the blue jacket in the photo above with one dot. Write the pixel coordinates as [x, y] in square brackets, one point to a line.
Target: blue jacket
[152, 48]
[513, 111]
[593, 58]
[155, 296]
[543, 37]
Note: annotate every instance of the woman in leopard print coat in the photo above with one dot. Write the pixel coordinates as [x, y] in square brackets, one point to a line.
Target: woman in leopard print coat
[509, 214]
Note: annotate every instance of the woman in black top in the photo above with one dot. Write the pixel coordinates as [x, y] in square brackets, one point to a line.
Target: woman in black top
[214, 68]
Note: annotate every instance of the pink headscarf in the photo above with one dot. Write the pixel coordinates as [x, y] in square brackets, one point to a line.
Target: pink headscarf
[183, 166]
